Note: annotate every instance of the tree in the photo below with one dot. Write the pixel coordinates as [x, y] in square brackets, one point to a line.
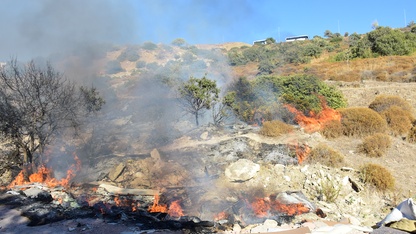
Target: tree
[198, 95]
[179, 42]
[36, 104]
[328, 33]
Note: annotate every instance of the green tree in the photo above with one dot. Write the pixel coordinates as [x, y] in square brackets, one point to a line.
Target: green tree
[179, 42]
[198, 95]
[37, 104]
[328, 33]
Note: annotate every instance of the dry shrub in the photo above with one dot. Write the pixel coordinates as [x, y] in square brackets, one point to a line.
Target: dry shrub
[361, 121]
[381, 75]
[396, 111]
[325, 155]
[275, 128]
[375, 145]
[398, 120]
[383, 102]
[378, 176]
[411, 135]
[332, 129]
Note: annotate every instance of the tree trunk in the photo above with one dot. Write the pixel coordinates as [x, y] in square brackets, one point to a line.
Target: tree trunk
[196, 119]
[27, 156]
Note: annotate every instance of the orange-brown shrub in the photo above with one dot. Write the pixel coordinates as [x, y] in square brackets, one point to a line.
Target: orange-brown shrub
[378, 176]
[332, 129]
[275, 128]
[361, 121]
[383, 102]
[375, 145]
[398, 120]
[325, 155]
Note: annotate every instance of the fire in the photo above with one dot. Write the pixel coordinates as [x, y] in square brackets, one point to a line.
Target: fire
[290, 209]
[174, 210]
[44, 175]
[221, 216]
[302, 152]
[315, 122]
[263, 207]
[156, 207]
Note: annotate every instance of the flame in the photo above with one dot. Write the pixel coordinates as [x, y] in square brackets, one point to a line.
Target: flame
[315, 122]
[175, 209]
[290, 209]
[44, 175]
[221, 216]
[302, 152]
[156, 207]
[263, 207]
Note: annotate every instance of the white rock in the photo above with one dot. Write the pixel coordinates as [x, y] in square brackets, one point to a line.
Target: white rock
[242, 170]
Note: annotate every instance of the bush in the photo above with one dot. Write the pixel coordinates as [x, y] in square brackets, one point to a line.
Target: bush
[396, 111]
[398, 120]
[275, 128]
[149, 46]
[383, 102]
[375, 145]
[332, 129]
[361, 121]
[130, 53]
[378, 176]
[325, 155]
[411, 135]
[113, 67]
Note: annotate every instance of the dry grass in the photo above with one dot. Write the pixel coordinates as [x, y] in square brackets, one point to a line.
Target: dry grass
[275, 128]
[325, 155]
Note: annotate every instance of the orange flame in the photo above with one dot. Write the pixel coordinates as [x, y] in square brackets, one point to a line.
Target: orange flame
[156, 207]
[302, 152]
[175, 209]
[221, 216]
[263, 207]
[315, 122]
[44, 175]
[290, 209]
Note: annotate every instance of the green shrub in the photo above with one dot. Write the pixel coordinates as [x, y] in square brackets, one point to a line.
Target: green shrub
[377, 176]
[149, 46]
[361, 121]
[325, 155]
[304, 92]
[113, 67]
[275, 128]
[130, 53]
[375, 145]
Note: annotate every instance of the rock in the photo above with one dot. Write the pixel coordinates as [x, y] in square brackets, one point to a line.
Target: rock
[242, 170]
[116, 171]
[38, 194]
[204, 136]
[270, 223]
[155, 155]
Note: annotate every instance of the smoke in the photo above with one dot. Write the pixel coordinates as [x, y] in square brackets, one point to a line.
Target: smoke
[40, 28]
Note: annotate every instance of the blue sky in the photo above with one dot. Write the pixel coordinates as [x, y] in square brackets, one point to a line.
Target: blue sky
[33, 28]
[217, 21]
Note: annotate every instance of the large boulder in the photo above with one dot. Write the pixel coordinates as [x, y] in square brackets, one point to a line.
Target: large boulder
[242, 170]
